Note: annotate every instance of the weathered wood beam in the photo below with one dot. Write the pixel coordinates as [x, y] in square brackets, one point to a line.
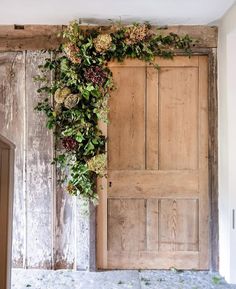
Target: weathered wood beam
[37, 37]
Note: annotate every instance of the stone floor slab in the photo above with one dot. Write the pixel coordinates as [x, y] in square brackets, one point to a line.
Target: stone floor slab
[174, 279]
[125, 279]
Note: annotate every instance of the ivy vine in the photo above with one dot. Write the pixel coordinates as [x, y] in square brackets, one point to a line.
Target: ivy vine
[81, 88]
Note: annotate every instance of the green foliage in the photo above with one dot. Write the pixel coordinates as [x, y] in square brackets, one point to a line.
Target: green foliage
[216, 280]
[77, 99]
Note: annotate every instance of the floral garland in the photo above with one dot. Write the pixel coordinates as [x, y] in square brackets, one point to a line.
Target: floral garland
[81, 89]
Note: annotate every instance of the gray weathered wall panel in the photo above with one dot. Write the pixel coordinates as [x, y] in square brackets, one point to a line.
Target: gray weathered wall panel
[12, 108]
[39, 173]
[49, 230]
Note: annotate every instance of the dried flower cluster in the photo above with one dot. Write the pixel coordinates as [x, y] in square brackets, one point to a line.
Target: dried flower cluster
[102, 42]
[136, 33]
[83, 83]
[64, 96]
[71, 100]
[96, 75]
[61, 94]
[71, 188]
[72, 52]
[69, 143]
[97, 164]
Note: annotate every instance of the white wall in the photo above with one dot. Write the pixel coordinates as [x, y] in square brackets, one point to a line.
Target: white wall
[227, 143]
[155, 11]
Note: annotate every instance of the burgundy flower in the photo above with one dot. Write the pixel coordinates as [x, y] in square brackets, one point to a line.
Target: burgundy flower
[69, 143]
[96, 75]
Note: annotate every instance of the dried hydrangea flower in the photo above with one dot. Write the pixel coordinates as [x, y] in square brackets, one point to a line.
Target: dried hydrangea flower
[96, 75]
[71, 100]
[58, 108]
[71, 189]
[72, 52]
[97, 164]
[69, 143]
[136, 33]
[102, 42]
[61, 94]
[102, 109]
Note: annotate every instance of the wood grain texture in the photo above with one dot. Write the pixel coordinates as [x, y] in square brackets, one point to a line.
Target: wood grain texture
[155, 260]
[39, 178]
[126, 142]
[178, 118]
[48, 224]
[178, 225]
[101, 216]
[12, 122]
[36, 37]
[64, 229]
[163, 204]
[213, 158]
[151, 183]
[4, 205]
[126, 227]
[152, 129]
[204, 207]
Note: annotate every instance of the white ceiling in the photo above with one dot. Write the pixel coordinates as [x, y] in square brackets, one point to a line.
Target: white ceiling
[156, 11]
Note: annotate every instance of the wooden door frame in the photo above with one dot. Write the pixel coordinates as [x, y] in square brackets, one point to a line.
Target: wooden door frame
[37, 37]
[101, 219]
[11, 148]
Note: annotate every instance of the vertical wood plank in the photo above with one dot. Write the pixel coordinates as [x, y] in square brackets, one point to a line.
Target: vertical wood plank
[152, 119]
[126, 143]
[178, 118]
[12, 108]
[64, 254]
[213, 158]
[152, 224]
[82, 234]
[101, 216]
[4, 203]
[203, 163]
[39, 178]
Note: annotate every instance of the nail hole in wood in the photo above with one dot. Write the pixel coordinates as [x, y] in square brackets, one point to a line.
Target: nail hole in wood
[19, 27]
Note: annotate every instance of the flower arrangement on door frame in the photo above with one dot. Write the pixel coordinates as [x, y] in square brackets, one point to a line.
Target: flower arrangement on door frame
[77, 98]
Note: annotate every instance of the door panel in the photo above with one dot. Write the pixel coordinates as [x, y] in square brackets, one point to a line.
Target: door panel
[155, 214]
[126, 131]
[178, 118]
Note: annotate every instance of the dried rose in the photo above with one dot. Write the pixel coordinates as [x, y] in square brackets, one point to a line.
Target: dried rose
[72, 52]
[69, 143]
[102, 42]
[71, 100]
[61, 94]
[96, 75]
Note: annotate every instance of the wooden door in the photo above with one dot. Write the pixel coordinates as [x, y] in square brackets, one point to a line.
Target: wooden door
[155, 212]
[4, 215]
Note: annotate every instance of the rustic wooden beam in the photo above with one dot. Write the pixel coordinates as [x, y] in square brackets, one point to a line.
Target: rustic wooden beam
[37, 37]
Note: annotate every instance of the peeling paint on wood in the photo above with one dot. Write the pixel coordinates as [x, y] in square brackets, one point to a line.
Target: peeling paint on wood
[49, 230]
[12, 81]
[65, 229]
[39, 173]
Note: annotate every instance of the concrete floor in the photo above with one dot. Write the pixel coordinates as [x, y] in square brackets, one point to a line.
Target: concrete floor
[133, 279]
